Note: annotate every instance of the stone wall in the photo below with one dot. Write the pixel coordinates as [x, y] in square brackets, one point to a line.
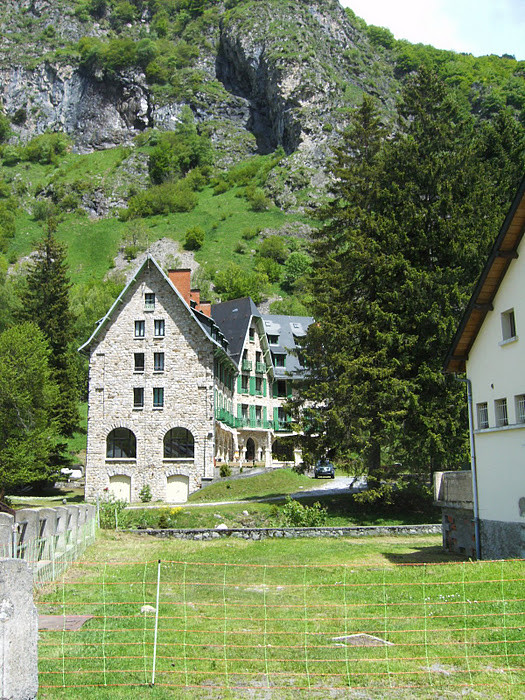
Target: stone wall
[290, 532]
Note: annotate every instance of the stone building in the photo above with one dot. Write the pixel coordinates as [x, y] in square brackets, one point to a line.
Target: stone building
[178, 386]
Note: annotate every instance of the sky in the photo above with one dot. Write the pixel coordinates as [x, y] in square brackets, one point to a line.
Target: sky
[479, 27]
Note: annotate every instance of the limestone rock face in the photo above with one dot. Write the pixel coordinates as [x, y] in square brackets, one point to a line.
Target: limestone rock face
[96, 113]
[266, 74]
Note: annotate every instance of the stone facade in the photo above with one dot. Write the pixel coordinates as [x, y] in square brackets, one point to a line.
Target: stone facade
[122, 360]
[168, 402]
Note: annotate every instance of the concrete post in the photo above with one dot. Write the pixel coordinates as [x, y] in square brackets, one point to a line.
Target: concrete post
[27, 520]
[61, 529]
[6, 534]
[18, 632]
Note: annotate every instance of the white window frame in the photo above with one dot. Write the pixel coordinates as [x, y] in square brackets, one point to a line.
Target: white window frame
[501, 413]
[149, 301]
[508, 326]
[159, 328]
[158, 397]
[138, 397]
[140, 329]
[158, 362]
[519, 402]
[482, 410]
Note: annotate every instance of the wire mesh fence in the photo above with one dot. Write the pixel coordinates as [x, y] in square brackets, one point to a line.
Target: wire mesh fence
[278, 629]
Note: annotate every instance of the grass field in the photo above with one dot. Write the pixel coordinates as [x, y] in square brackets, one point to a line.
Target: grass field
[241, 619]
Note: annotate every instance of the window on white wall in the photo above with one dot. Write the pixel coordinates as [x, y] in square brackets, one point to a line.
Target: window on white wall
[500, 410]
[508, 325]
[520, 408]
[483, 415]
[159, 328]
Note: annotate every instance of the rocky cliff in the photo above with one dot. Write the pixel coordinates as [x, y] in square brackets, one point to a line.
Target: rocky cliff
[266, 74]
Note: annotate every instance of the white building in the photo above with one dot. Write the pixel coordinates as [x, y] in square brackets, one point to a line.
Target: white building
[178, 386]
[490, 347]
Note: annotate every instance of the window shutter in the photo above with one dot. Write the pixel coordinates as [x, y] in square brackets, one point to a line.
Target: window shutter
[289, 389]
[265, 416]
[239, 384]
[276, 415]
[252, 413]
[239, 411]
[252, 386]
[264, 387]
[275, 390]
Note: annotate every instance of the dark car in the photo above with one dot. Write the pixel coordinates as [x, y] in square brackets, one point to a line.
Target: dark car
[324, 468]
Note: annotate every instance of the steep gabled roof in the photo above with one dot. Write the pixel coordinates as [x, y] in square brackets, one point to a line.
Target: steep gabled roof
[503, 252]
[149, 261]
[233, 318]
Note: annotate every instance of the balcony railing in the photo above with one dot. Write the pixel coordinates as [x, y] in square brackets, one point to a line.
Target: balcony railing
[260, 367]
[246, 366]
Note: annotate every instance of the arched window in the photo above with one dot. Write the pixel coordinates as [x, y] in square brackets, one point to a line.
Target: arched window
[122, 443]
[178, 443]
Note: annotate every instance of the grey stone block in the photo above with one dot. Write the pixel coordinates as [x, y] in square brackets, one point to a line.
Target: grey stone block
[18, 632]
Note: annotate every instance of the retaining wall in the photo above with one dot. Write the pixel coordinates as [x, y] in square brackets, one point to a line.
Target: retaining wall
[288, 532]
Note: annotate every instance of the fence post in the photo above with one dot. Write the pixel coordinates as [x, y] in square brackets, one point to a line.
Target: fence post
[18, 632]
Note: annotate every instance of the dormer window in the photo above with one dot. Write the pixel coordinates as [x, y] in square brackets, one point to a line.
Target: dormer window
[508, 325]
[149, 301]
[273, 339]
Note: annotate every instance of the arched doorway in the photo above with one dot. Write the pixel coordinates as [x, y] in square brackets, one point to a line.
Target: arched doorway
[249, 455]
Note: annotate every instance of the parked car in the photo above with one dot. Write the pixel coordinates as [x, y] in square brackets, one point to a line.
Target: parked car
[324, 468]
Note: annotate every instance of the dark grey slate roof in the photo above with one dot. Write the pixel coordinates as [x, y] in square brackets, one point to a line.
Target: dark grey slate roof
[233, 318]
[288, 328]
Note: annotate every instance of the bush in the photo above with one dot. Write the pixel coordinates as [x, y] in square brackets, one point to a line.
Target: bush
[297, 265]
[269, 267]
[225, 470]
[250, 233]
[110, 508]
[145, 493]
[233, 282]
[295, 514]
[43, 210]
[194, 238]
[162, 199]
[273, 247]
[46, 148]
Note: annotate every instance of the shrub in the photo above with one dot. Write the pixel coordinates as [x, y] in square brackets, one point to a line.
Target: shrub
[110, 508]
[233, 282]
[46, 148]
[225, 470]
[295, 514]
[162, 199]
[257, 199]
[250, 233]
[145, 493]
[43, 209]
[194, 238]
[221, 186]
[273, 247]
[240, 248]
[297, 265]
[269, 267]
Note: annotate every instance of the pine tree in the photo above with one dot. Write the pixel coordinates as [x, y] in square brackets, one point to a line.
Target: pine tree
[349, 349]
[45, 302]
[405, 238]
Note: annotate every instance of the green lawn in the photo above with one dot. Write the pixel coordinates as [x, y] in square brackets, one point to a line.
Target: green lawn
[279, 482]
[261, 619]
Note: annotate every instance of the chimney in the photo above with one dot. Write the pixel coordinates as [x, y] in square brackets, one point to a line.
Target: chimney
[195, 297]
[205, 308]
[181, 281]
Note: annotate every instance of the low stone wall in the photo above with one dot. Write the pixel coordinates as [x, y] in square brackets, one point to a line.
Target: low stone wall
[290, 532]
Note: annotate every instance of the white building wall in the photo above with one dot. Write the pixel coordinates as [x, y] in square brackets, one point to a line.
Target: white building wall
[496, 369]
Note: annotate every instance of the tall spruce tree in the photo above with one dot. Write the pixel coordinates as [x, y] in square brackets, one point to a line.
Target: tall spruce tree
[351, 349]
[45, 302]
[404, 240]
